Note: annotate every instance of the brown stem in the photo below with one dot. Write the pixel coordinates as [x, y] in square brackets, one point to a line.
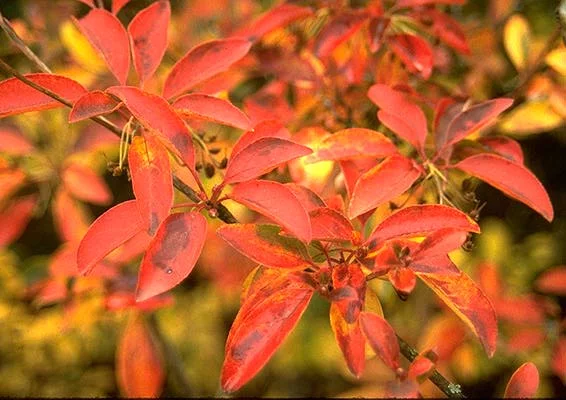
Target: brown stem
[450, 389]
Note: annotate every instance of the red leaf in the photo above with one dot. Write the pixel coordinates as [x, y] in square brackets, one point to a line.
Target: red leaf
[448, 30]
[261, 157]
[381, 338]
[330, 225]
[421, 219]
[353, 169]
[107, 35]
[415, 53]
[265, 319]
[420, 369]
[172, 254]
[470, 304]
[416, 3]
[14, 219]
[553, 281]
[440, 242]
[139, 363]
[152, 180]
[16, 97]
[338, 30]
[399, 114]
[309, 199]
[265, 129]
[275, 18]
[148, 37]
[504, 146]
[202, 62]
[70, 218]
[277, 202]
[212, 109]
[85, 185]
[107, 232]
[155, 113]
[470, 120]
[91, 105]
[387, 180]
[89, 3]
[264, 245]
[349, 289]
[118, 4]
[512, 179]
[352, 143]
[523, 383]
[13, 142]
[350, 340]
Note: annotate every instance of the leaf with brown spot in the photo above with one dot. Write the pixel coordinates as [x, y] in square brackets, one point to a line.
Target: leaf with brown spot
[504, 146]
[471, 305]
[277, 202]
[16, 97]
[202, 62]
[264, 245]
[309, 199]
[512, 179]
[113, 228]
[265, 319]
[155, 113]
[387, 180]
[152, 179]
[210, 108]
[140, 368]
[417, 220]
[107, 35]
[349, 289]
[350, 340]
[148, 37]
[93, 104]
[382, 338]
[261, 157]
[523, 383]
[352, 143]
[172, 254]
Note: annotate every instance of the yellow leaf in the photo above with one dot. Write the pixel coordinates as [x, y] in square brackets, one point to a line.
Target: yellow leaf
[80, 49]
[556, 59]
[531, 117]
[516, 38]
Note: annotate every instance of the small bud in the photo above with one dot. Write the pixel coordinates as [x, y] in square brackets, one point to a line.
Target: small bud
[198, 166]
[213, 213]
[209, 170]
[223, 163]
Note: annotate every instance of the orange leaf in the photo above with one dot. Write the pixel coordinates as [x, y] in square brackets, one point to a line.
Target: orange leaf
[152, 179]
[85, 185]
[330, 225]
[213, 109]
[523, 383]
[14, 219]
[264, 245]
[91, 105]
[139, 363]
[350, 340]
[382, 338]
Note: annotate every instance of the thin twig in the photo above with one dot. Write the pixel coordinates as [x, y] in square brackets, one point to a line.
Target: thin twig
[7, 27]
[450, 389]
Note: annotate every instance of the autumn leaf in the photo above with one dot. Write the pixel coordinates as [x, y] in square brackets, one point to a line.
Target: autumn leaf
[202, 62]
[338, 30]
[265, 319]
[140, 368]
[350, 339]
[382, 338]
[415, 53]
[16, 97]
[172, 254]
[85, 185]
[523, 383]
[14, 219]
[107, 232]
[156, 114]
[148, 37]
[107, 35]
[264, 245]
[517, 41]
[330, 225]
[387, 180]
[512, 179]
[152, 179]
[210, 108]
[277, 202]
[93, 104]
